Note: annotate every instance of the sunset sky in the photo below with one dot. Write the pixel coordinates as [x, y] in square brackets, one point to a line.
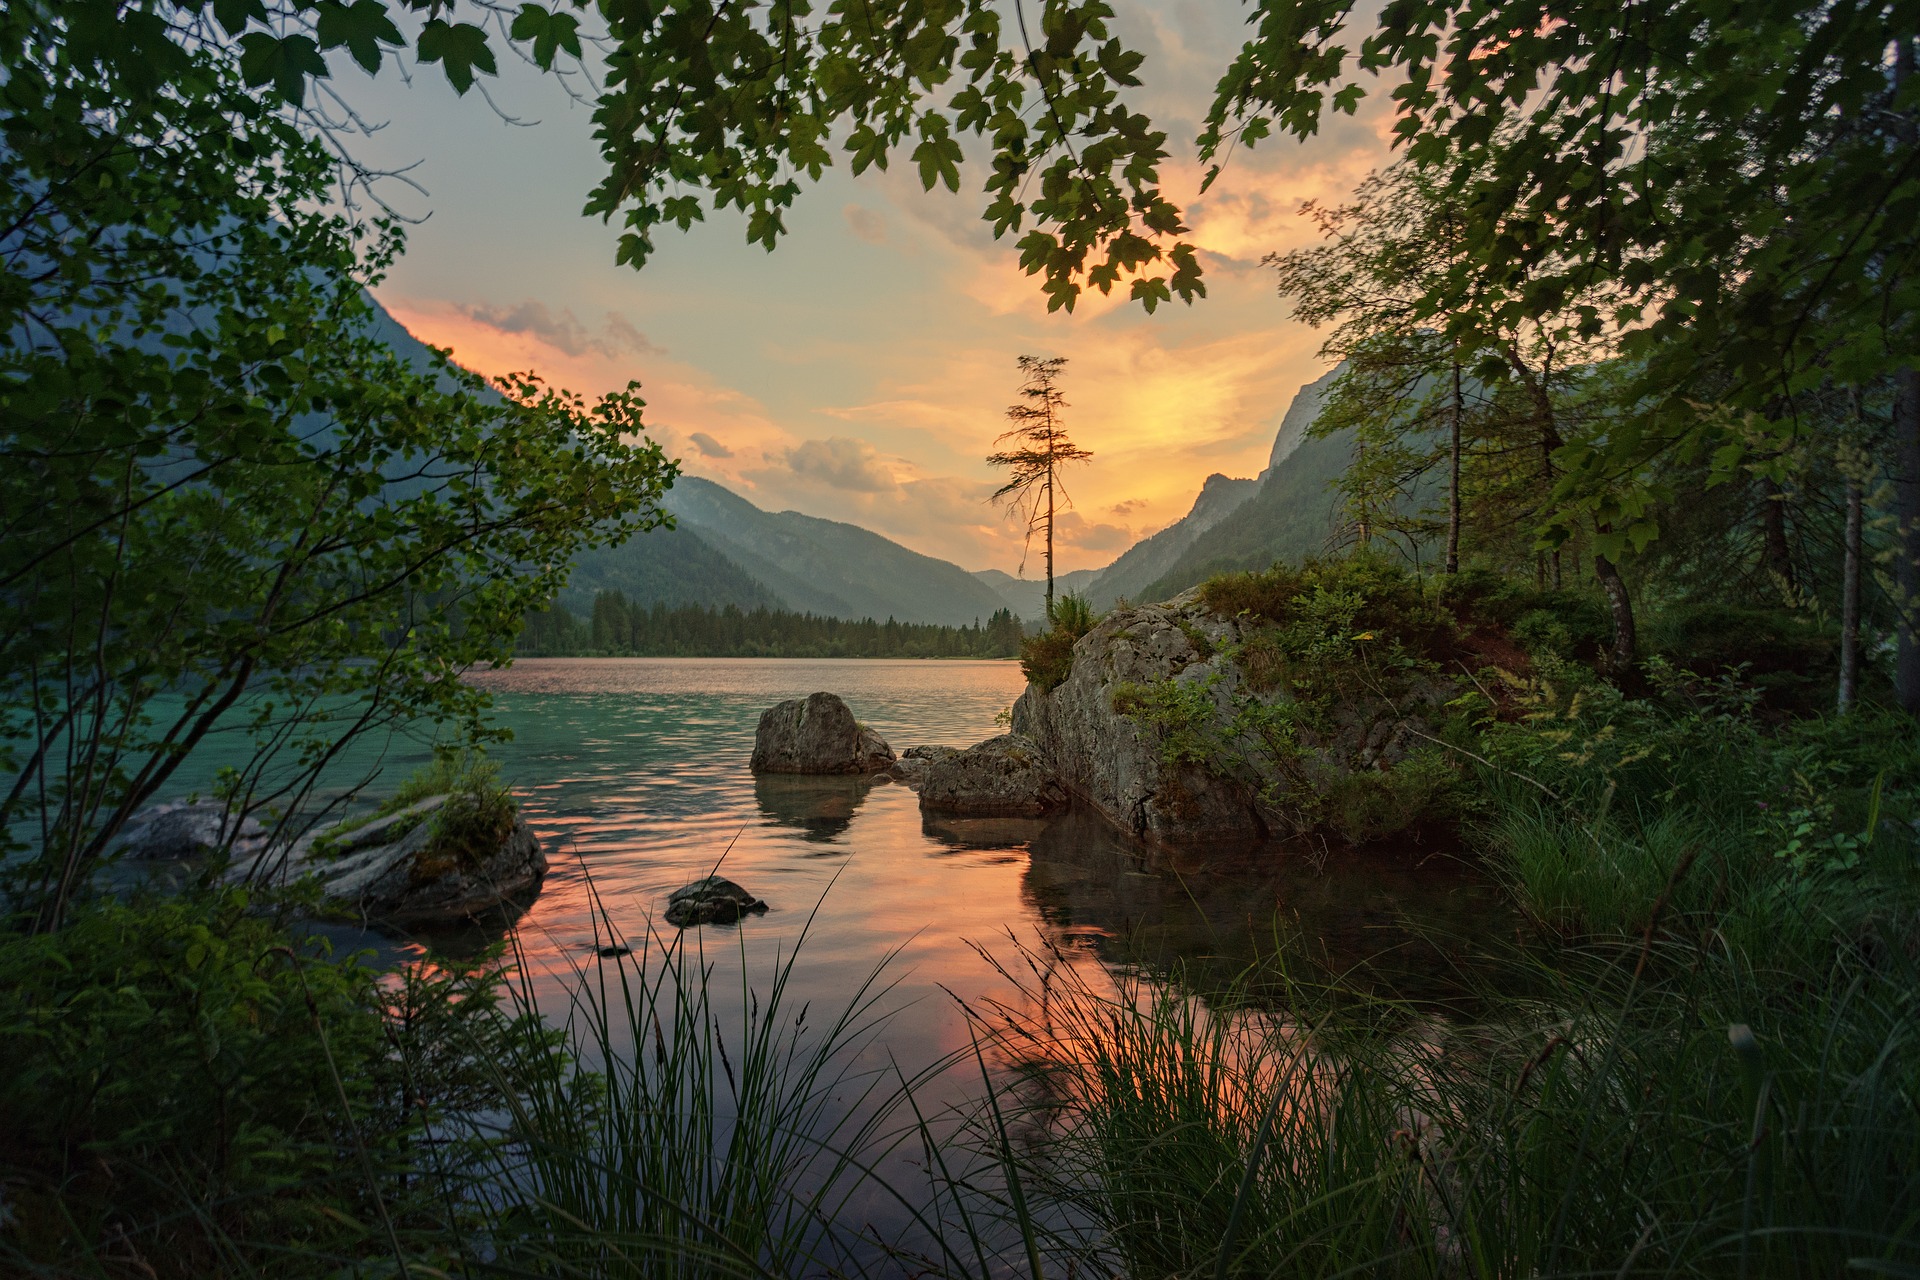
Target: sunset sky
[860, 371]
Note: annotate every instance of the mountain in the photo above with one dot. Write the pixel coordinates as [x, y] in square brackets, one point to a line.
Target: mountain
[1301, 411]
[826, 566]
[1291, 512]
[726, 551]
[666, 566]
[1027, 597]
[1147, 561]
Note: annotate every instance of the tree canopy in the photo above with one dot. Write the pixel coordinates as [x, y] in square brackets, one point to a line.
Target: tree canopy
[228, 510]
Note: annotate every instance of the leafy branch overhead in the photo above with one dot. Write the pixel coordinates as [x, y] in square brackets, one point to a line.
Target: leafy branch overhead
[1648, 147]
[745, 103]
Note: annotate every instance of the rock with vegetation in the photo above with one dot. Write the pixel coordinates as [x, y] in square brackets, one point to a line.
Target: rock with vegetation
[817, 734]
[1259, 704]
[1006, 776]
[710, 900]
[449, 846]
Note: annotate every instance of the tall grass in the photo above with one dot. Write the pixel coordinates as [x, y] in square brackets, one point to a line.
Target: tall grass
[688, 1141]
[1699, 1122]
[1665, 1106]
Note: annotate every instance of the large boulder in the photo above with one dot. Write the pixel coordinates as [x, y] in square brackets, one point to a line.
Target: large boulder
[817, 734]
[419, 884]
[1219, 780]
[1005, 776]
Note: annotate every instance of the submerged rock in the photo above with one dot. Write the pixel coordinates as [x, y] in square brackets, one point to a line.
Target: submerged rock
[911, 768]
[186, 829]
[1005, 776]
[712, 900]
[817, 734]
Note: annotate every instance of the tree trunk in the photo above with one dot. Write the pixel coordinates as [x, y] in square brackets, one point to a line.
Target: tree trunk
[1850, 600]
[1360, 513]
[1621, 606]
[1453, 479]
[1906, 505]
[1049, 547]
[1779, 557]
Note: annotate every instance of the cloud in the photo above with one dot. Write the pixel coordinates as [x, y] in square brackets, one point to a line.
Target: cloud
[865, 223]
[1128, 507]
[565, 332]
[1076, 530]
[709, 446]
[842, 463]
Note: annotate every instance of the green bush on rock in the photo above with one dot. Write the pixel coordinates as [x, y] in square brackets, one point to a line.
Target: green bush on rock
[1047, 658]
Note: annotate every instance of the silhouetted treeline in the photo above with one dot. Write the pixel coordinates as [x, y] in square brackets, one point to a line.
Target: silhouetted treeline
[621, 626]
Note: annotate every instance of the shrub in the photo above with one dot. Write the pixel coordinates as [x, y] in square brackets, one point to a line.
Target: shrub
[1047, 658]
[187, 1091]
[1363, 594]
[478, 814]
[1370, 804]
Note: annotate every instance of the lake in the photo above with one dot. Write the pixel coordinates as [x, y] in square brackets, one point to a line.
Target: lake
[634, 773]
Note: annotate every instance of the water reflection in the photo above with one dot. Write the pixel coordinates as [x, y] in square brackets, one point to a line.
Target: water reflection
[634, 773]
[1405, 922]
[820, 808]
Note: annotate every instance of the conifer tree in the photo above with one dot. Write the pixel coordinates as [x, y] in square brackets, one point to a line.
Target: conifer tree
[1041, 448]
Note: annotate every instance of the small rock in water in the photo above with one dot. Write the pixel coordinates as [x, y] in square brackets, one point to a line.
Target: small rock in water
[713, 900]
[614, 952]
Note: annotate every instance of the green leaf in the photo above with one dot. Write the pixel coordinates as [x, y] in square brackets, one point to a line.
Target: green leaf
[461, 47]
[283, 62]
[234, 15]
[1151, 291]
[362, 27]
[550, 32]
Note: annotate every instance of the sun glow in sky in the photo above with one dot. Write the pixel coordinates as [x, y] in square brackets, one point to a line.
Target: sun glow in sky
[861, 370]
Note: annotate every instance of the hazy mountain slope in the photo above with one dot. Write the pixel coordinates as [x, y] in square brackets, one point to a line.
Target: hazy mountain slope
[666, 566]
[825, 566]
[1147, 561]
[1291, 514]
[1301, 411]
[1027, 597]
[1292, 517]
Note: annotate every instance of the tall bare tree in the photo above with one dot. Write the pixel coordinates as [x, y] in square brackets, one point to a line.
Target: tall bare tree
[1041, 448]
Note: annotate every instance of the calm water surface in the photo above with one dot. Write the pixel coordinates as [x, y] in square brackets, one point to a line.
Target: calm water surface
[634, 772]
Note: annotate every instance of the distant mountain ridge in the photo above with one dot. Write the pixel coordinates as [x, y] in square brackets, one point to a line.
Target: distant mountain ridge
[727, 551]
[1293, 512]
[1150, 559]
[1028, 596]
[830, 567]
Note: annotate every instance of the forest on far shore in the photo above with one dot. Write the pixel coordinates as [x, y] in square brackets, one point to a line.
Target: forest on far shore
[622, 627]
